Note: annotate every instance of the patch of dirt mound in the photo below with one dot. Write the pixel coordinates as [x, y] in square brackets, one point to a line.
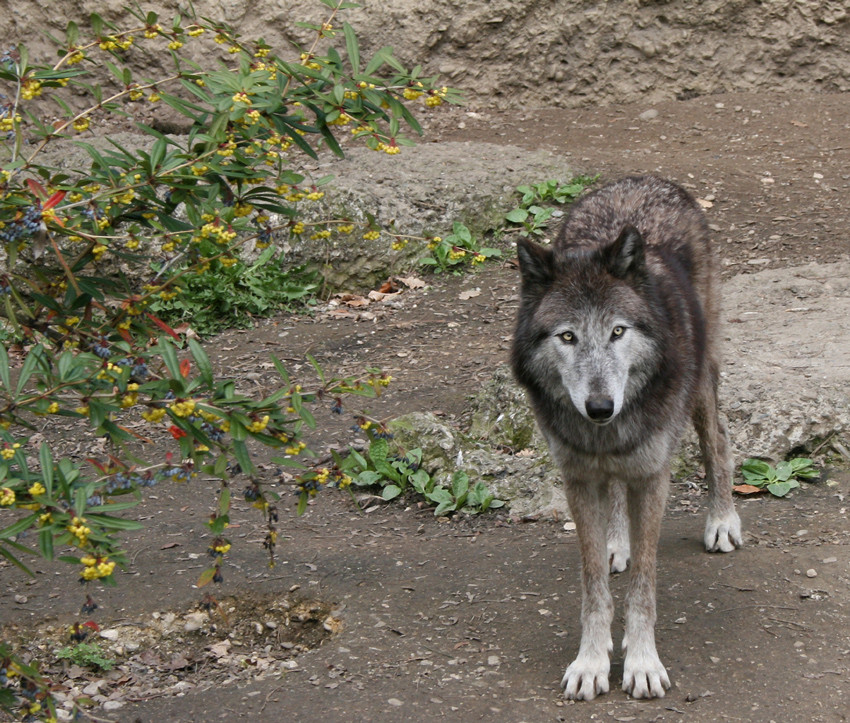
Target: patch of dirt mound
[214, 644]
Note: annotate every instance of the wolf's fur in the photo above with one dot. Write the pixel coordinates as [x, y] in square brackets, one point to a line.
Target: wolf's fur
[616, 345]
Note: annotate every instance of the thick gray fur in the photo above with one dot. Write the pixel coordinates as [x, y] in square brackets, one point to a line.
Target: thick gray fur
[616, 345]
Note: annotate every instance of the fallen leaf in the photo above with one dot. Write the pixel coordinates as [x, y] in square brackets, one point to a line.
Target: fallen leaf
[411, 282]
[469, 294]
[170, 545]
[746, 489]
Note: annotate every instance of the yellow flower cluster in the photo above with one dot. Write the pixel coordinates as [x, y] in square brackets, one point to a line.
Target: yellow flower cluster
[373, 235]
[131, 397]
[258, 425]
[111, 42]
[36, 490]
[77, 56]
[216, 231]
[399, 244]
[30, 88]
[220, 547]
[153, 416]
[456, 254]
[184, 408]
[152, 31]
[81, 124]
[479, 259]
[7, 497]
[9, 452]
[96, 567]
[7, 124]
[296, 448]
[79, 530]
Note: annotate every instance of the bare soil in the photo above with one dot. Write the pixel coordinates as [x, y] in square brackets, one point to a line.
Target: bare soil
[476, 618]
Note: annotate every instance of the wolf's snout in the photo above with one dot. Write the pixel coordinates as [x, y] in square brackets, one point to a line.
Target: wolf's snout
[599, 409]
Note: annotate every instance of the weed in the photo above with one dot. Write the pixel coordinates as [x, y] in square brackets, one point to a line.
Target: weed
[779, 480]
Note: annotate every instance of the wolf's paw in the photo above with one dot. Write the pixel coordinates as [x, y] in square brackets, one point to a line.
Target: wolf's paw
[723, 532]
[618, 554]
[586, 677]
[644, 676]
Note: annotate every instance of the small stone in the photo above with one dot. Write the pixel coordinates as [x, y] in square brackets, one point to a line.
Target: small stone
[811, 572]
[828, 560]
[493, 660]
[650, 114]
[113, 705]
[109, 634]
[21, 599]
[395, 702]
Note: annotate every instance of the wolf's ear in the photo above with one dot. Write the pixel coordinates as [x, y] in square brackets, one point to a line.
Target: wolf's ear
[535, 262]
[624, 257]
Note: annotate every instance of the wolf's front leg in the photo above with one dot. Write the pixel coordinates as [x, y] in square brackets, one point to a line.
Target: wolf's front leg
[643, 674]
[587, 676]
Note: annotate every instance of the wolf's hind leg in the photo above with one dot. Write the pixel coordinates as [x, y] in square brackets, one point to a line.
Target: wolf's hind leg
[723, 526]
[618, 529]
[587, 676]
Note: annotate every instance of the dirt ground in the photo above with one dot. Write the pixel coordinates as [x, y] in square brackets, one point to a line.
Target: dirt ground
[475, 619]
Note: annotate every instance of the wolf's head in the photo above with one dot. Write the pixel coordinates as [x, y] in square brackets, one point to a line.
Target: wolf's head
[584, 329]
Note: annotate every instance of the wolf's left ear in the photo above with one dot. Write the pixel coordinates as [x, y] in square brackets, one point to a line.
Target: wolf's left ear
[535, 262]
[624, 257]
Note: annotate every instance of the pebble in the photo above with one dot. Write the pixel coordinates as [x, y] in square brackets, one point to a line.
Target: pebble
[110, 634]
[21, 599]
[113, 705]
[811, 572]
[650, 114]
[395, 702]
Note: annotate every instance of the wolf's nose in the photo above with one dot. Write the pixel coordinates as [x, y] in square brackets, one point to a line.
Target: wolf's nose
[599, 409]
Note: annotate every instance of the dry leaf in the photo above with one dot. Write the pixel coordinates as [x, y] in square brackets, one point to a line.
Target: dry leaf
[746, 489]
[469, 294]
[411, 282]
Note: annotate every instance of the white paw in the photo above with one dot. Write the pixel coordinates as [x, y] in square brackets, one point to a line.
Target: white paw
[644, 676]
[618, 555]
[723, 532]
[586, 677]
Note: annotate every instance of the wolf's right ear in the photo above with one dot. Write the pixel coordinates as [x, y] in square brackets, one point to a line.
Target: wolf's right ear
[535, 262]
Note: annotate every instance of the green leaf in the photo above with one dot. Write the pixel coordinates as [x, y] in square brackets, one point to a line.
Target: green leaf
[4, 369]
[202, 361]
[45, 543]
[169, 356]
[460, 484]
[784, 471]
[351, 47]
[779, 489]
[367, 478]
[518, 215]
[45, 459]
[391, 492]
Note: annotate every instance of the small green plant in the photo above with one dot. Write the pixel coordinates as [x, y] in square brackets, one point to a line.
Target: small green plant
[779, 480]
[531, 217]
[86, 655]
[456, 249]
[403, 473]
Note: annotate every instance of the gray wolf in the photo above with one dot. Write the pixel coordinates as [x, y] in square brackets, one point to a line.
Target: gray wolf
[616, 346]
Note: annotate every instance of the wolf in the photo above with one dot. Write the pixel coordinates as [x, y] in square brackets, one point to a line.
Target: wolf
[616, 345]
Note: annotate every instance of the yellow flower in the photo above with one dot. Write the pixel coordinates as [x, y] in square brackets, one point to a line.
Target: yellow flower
[36, 489]
[9, 452]
[153, 415]
[259, 425]
[371, 235]
[81, 124]
[7, 497]
[53, 408]
[175, 44]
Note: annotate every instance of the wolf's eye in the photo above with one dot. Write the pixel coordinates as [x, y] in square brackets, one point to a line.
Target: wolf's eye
[618, 332]
[568, 337]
